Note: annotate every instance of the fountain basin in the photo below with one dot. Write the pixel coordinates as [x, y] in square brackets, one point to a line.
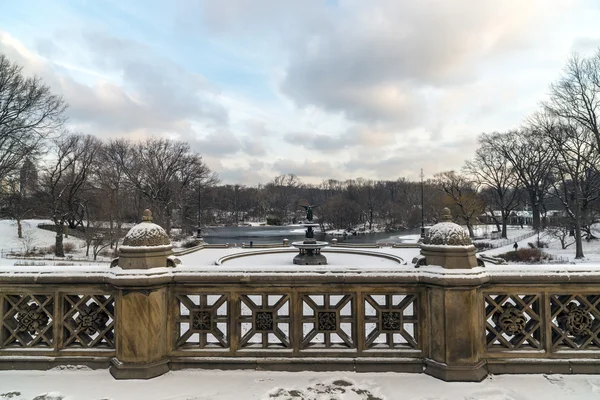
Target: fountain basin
[310, 245]
[338, 259]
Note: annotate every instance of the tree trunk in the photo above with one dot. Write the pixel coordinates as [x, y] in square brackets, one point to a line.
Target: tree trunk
[167, 219]
[470, 229]
[19, 228]
[498, 225]
[535, 210]
[504, 224]
[578, 241]
[59, 251]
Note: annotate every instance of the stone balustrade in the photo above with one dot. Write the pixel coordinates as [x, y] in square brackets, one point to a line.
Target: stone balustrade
[457, 324]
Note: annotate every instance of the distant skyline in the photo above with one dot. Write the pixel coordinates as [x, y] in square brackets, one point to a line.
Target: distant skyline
[321, 89]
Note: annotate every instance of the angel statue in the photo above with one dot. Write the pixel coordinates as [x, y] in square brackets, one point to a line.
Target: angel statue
[309, 212]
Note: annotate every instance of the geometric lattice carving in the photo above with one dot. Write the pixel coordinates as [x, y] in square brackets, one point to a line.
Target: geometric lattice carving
[575, 321]
[391, 321]
[264, 321]
[27, 320]
[328, 321]
[89, 321]
[513, 321]
[203, 321]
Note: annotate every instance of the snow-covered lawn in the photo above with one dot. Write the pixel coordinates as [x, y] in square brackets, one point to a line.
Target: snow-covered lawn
[265, 385]
[591, 249]
[34, 237]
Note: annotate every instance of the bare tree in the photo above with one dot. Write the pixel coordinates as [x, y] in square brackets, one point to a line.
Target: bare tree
[159, 169]
[29, 113]
[576, 94]
[576, 182]
[559, 229]
[462, 194]
[66, 177]
[282, 195]
[531, 157]
[493, 171]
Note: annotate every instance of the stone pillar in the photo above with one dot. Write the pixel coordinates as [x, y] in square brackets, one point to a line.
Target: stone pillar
[141, 311]
[455, 341]
[141, 334]
[455, 307]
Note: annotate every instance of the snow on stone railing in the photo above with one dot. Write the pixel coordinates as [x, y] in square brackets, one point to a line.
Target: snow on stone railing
[380, 320]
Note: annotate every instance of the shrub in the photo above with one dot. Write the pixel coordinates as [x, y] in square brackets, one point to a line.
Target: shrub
[526, 255]
[190, 243]
[67, 247]
[273, 221]
[538, 245]
[480, 246]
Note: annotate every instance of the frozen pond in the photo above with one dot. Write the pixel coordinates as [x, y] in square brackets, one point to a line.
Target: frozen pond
[276, 234]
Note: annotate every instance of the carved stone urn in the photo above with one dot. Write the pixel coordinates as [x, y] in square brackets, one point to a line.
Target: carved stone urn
[448, 245]
[146, 246]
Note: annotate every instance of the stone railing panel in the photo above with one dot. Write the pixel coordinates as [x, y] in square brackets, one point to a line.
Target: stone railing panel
[297, 322]
[575, 321]
[328, 321]
[391, 321]
[513, 321]
[264, 321]
[27, 320]
[89, 321]
[203, 320]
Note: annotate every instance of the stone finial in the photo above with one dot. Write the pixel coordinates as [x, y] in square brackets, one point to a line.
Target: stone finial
[446, 215]
[448, 245]
[147, 216]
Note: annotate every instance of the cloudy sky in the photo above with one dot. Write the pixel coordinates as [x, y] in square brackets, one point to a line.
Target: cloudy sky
[323, 89]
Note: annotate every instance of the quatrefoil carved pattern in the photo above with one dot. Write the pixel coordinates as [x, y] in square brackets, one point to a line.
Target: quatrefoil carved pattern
[575, 321]
[88, 320]
[513, 321]
[91, 319]
[510, 320]
[27, 320]
[31, 318]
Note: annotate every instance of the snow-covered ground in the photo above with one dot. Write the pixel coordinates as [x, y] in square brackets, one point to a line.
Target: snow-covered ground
[591, 249]
[34, 237]
[266, 385]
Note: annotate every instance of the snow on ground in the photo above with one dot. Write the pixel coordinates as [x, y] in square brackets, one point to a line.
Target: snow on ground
[276, 258]
[34, 237]
[591, 249]
[74, 384]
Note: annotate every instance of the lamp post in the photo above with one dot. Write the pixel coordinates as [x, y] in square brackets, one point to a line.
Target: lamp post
[422, 207]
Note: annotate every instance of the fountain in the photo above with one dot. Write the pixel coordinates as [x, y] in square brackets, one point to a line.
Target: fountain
[310, 249]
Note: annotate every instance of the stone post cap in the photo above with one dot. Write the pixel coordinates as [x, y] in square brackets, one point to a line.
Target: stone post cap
[147, 215]
[447, 233]
[446, 215]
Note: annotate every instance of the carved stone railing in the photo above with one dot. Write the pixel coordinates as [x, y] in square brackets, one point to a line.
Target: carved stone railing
[551, 328]
[451, 323]
[40, 323]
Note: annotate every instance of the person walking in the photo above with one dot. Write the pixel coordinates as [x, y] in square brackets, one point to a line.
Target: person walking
[516, 246]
